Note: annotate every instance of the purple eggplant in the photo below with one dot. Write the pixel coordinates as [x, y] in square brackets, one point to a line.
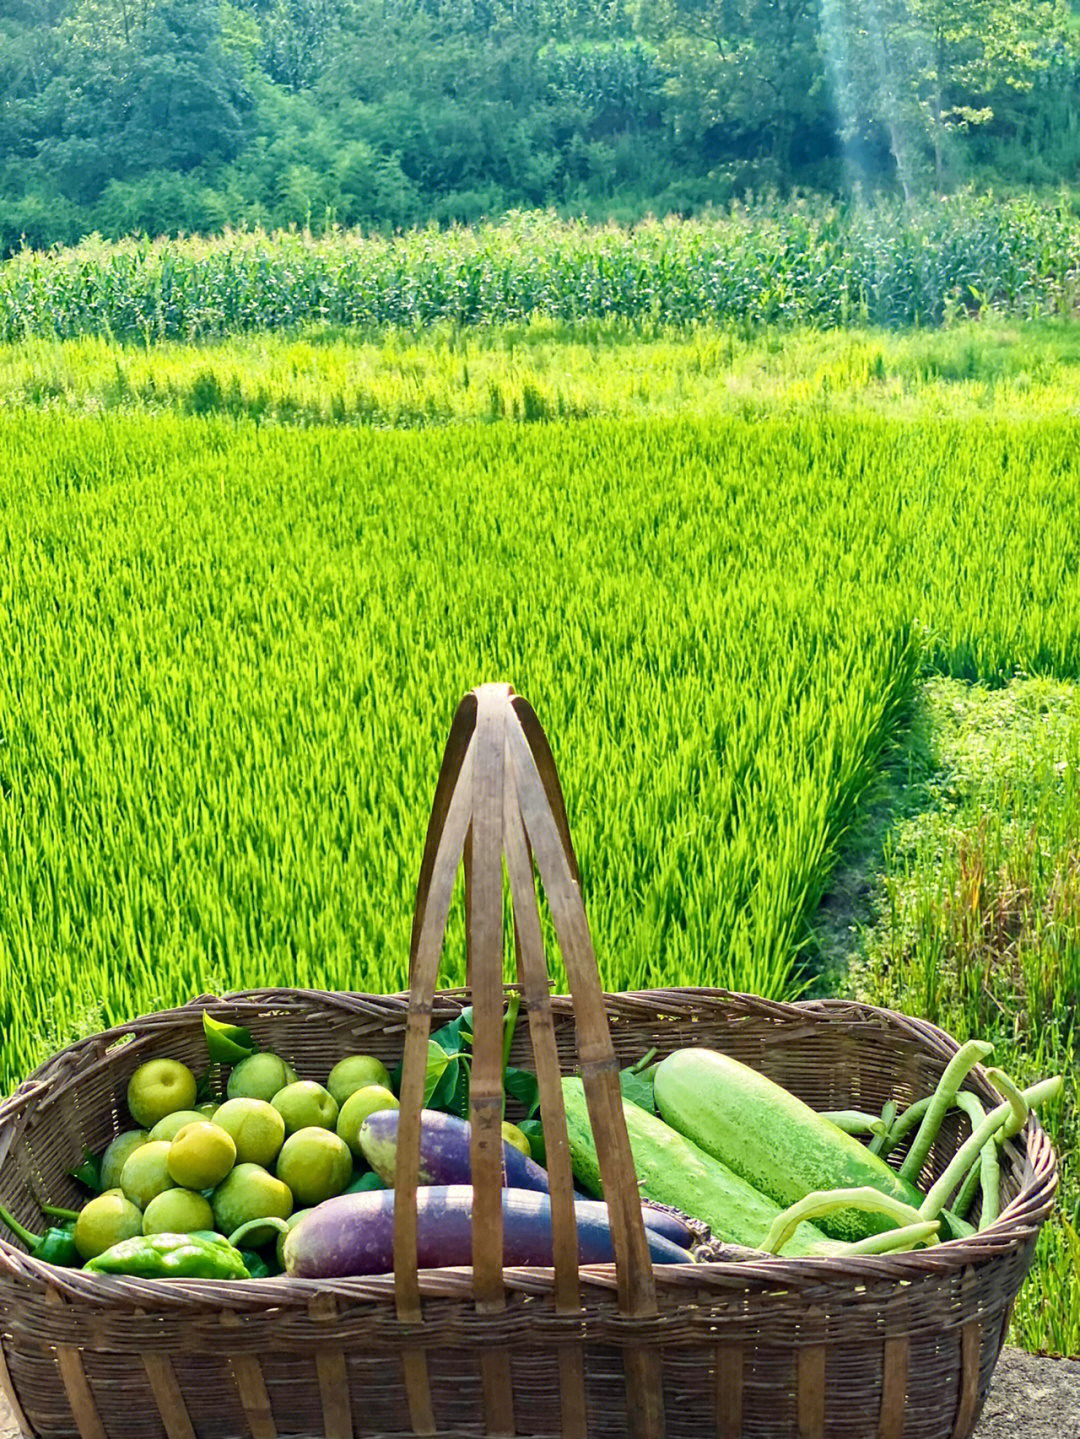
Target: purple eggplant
[673, 1224]
[354, 1233]
[444, 1151]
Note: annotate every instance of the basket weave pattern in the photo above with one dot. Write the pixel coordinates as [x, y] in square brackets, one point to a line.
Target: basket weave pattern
[890, 1347]
[746, 1346]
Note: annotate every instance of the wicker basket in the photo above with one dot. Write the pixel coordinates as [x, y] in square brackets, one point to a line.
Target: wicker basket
[898, 1347]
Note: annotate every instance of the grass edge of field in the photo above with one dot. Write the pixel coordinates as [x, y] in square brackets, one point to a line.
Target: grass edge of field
[961, 743]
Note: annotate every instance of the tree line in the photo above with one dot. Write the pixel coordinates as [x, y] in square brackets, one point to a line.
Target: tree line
[170, 116]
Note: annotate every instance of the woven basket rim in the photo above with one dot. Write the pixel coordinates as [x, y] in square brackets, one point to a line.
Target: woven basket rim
[1017, 1223]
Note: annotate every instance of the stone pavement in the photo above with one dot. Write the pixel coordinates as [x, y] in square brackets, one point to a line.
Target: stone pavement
[1030, 1398]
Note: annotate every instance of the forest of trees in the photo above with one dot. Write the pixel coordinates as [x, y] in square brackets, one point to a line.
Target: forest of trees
[167, 116]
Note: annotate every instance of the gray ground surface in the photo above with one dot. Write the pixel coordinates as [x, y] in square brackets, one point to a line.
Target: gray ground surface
[1030, 1399]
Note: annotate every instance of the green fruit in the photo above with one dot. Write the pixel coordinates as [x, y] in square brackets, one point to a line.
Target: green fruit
[513, 1135]
[208, 1110]
[315, 1164]
[260, 1077]
[117, 1154]
[772, 1140]
[105, 1221]
[291, 1076]
[306, 1105]
[293, 1221]
[201, 1155]
[364, 1183]
[145, 1174]
[169, 1127]
[251, 1193]
[158, 1088]
[177, 1211]
[358, 1071]
[356, 1109]
[257, 1130]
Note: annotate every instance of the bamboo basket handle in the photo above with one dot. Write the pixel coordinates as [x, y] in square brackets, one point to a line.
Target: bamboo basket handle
[498, 798]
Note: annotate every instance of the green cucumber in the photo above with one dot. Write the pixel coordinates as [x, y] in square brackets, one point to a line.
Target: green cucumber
[771, 1139]
[673, 1170]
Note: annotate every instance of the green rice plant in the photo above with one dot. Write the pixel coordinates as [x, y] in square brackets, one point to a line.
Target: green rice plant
[229, 653]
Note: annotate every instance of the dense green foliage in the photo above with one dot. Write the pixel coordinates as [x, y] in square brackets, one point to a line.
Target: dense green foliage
[817, 266]
[188, 115]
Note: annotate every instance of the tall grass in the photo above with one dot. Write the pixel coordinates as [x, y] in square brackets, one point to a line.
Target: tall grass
[542, 370]
[979, 924]
[800, 264]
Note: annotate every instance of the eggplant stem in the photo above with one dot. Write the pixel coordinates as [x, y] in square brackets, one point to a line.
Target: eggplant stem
[956, 1071]
[826, 1201]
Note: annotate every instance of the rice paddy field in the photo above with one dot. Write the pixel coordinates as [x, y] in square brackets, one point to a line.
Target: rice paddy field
[800, 610]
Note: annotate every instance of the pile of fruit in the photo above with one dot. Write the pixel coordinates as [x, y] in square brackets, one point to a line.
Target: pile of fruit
[292, 1175]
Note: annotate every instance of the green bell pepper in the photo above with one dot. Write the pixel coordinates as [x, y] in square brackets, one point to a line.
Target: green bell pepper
[55, 1246]
[172, 1256]
[257, 1267]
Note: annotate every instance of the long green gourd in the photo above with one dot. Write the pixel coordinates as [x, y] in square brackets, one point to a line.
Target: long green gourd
[673, 1170]
[772, 1140]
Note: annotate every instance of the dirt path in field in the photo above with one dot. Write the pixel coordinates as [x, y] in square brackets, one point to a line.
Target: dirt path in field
[1030, 1398]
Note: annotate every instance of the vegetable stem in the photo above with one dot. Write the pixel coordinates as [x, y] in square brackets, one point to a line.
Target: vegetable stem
[990, 1182]
[972, 1107]
[54, 1213]
[644, 1061]
[956, 1071]
[237, 1235]
[826, 1201]
[19, 1230]
[853, 1121]
[1018, 1117]
[958, 1166]
[896, 1241]
[513, 1008]
[888, 1116]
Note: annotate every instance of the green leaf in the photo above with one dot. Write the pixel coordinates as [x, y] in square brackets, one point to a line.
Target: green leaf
[533, 1131]
[456, 1037]
[89, 1172]
[226, 1043]
[519, 1084]
[452, 1093]
[638, 1088]
[437, 1063]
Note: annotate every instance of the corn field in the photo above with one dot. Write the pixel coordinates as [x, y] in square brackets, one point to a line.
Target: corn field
[796, 265]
